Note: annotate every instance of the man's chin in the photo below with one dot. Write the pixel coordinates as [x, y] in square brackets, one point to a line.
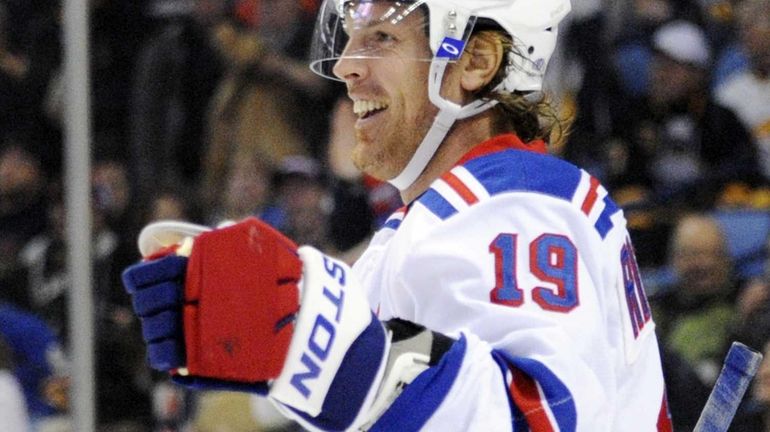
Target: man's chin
[364, 158]
[372, 169]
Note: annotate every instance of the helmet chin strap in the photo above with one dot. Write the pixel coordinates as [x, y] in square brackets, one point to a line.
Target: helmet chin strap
[448, 113]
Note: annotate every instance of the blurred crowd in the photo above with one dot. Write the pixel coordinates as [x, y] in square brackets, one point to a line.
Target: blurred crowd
[206, 110]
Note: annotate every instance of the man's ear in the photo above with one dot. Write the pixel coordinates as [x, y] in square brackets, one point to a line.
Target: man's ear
[484, 55]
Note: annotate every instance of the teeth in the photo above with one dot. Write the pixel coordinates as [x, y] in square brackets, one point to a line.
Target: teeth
[363, 107]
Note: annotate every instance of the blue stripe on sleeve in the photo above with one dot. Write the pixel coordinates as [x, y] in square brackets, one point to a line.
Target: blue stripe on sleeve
[437, 204]
[557, 394]
[412, 409]
[519, 420]
[604, 224]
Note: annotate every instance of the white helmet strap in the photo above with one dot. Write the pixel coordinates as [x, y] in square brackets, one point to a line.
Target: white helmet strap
[448, 113]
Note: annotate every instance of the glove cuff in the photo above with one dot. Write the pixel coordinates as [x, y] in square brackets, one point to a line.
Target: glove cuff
[333, 314]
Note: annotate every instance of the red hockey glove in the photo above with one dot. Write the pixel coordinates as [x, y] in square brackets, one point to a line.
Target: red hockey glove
[228, 312]
[229, 318]
[241, 297]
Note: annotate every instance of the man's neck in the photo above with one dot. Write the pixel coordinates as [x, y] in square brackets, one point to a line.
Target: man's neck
[462, 137]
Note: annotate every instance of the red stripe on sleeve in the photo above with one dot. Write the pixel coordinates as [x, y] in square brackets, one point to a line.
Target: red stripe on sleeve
[664, 417]
[459, 187]
[527, 399]
[593, 194]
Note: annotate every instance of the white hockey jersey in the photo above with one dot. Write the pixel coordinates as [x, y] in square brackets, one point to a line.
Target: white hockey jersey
[526, 259]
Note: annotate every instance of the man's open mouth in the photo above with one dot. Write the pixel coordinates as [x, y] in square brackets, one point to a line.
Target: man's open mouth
[368, 108]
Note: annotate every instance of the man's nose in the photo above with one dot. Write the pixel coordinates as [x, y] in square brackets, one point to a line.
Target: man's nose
[350, 69]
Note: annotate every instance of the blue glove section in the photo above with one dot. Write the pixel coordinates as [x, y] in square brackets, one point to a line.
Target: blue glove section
[157, 298]
[169, 268]
[164, 325]
[156, 289]
[166, 355]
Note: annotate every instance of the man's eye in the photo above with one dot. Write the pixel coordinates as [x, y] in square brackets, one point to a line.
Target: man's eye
[383, 37]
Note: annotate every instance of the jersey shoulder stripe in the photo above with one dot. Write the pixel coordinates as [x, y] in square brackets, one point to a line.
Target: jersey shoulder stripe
[525, 171]
[499, 172]
[437, 204]
[604, 224]
[591, 196]
[458, 186]
[394, 220]
[519, 171]
[594, 201]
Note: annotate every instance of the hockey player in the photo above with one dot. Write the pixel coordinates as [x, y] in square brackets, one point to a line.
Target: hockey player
[504, 296]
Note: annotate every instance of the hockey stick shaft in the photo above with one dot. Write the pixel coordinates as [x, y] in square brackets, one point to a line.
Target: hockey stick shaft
[740, 366]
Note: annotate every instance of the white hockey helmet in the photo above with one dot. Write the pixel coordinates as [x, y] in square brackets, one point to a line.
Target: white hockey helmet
[532, 25]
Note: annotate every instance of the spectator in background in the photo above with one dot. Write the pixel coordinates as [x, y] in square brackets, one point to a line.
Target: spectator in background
[634, 38]
[176, 72]
[35, 38]
[268, 101]
[44, 261]
[696, 316]
[677, 143]
[116, 32]
[15, 109]
[113, 194]
[303, 197]
[121, 395]
[747, 92]
[22, 214]
[120, 377]
[216, 411]
[588, 75]
[615, 48]
[170, 204]
[246, 191]
[284, 28]
[730, 57]
[227, 411]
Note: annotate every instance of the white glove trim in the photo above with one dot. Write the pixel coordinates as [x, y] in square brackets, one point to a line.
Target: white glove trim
[333, 313]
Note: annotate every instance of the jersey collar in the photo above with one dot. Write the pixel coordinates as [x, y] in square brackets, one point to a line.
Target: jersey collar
[503, 142]
[493, 145]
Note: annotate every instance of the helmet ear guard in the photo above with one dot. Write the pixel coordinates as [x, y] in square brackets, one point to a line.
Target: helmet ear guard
[531, 24]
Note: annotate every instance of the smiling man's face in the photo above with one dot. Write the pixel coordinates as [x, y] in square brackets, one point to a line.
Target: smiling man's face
[385, 67]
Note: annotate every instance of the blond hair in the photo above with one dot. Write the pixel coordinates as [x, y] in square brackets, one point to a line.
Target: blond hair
[531, 116]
